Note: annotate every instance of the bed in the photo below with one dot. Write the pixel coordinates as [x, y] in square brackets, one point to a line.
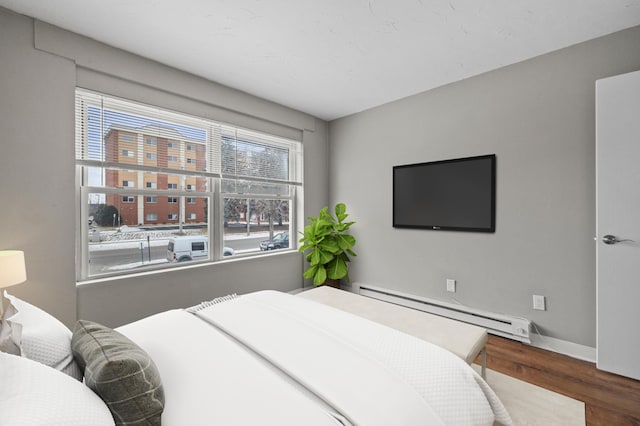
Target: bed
[267, 358]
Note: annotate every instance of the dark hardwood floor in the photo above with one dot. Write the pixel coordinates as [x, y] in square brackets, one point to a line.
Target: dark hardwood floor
[609, 399]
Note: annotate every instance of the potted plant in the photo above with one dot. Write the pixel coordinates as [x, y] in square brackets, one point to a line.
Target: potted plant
[329, 246]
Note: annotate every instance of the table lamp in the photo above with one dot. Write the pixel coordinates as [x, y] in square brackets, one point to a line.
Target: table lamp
[12, 272]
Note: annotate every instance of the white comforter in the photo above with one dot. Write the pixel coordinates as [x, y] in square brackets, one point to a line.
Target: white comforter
[271, 358]
[209, 379]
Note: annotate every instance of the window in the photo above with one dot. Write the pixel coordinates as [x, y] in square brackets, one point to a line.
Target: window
[245, 183]
[126, 153]
[152, 156]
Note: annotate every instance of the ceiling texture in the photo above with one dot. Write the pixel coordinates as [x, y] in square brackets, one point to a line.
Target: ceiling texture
[332, 58]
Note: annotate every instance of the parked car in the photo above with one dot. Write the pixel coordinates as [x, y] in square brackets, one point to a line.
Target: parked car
[279, 241]
[191, 247]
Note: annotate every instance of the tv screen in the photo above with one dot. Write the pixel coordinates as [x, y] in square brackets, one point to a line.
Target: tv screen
[455, 195]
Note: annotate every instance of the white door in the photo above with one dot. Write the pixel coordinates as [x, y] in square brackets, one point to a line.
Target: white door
[618, 224]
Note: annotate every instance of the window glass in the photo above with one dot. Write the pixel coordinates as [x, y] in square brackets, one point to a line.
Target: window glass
[249, 222]
[144, 202]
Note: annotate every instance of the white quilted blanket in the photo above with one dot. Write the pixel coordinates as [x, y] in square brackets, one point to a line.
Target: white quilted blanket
[371, 374]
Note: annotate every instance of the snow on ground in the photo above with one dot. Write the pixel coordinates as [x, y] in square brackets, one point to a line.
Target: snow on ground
[135, 243]
[136, 265]
[134, 238]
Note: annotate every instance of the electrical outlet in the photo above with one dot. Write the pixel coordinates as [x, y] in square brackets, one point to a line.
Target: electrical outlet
[451, 285]
[539, 303]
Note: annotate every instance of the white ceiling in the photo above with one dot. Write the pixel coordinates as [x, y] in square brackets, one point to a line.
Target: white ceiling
[331, 58]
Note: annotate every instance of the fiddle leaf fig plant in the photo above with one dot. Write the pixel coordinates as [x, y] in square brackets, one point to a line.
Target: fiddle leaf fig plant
[328, 245]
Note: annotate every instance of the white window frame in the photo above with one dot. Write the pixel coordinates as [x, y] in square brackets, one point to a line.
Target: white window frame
[213, 177]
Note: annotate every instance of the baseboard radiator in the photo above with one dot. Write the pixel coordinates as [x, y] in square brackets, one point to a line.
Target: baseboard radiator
[499, 324]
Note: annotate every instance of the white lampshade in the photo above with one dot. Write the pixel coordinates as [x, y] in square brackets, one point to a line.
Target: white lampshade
[12, 268]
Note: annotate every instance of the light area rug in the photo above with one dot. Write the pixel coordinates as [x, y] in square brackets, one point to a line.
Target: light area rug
[532, 405]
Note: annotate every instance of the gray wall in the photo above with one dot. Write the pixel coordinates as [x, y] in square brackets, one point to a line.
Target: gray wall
[538, 118]
[40, 66]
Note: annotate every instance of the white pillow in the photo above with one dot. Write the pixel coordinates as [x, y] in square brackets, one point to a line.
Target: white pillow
[44, 338]
[33, 394]
[10, 331]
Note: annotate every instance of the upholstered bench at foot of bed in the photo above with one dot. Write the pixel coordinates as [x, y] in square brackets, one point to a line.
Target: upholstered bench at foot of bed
[464, 340]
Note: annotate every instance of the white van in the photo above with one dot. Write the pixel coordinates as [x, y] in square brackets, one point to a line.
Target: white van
[190, 247]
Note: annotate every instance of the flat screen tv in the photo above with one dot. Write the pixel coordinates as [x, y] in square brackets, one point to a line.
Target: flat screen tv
[453, 195]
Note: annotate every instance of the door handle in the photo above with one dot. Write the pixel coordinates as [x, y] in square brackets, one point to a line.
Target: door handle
[612, 239]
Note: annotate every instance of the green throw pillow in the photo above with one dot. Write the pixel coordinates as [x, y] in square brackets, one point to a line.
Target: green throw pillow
[120, 372]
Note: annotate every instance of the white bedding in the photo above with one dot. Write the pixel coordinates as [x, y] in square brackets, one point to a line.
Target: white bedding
[294, 361]
[355, 385]
[209, 380]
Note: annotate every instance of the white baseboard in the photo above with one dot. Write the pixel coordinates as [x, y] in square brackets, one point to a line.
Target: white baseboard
[574, 350]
